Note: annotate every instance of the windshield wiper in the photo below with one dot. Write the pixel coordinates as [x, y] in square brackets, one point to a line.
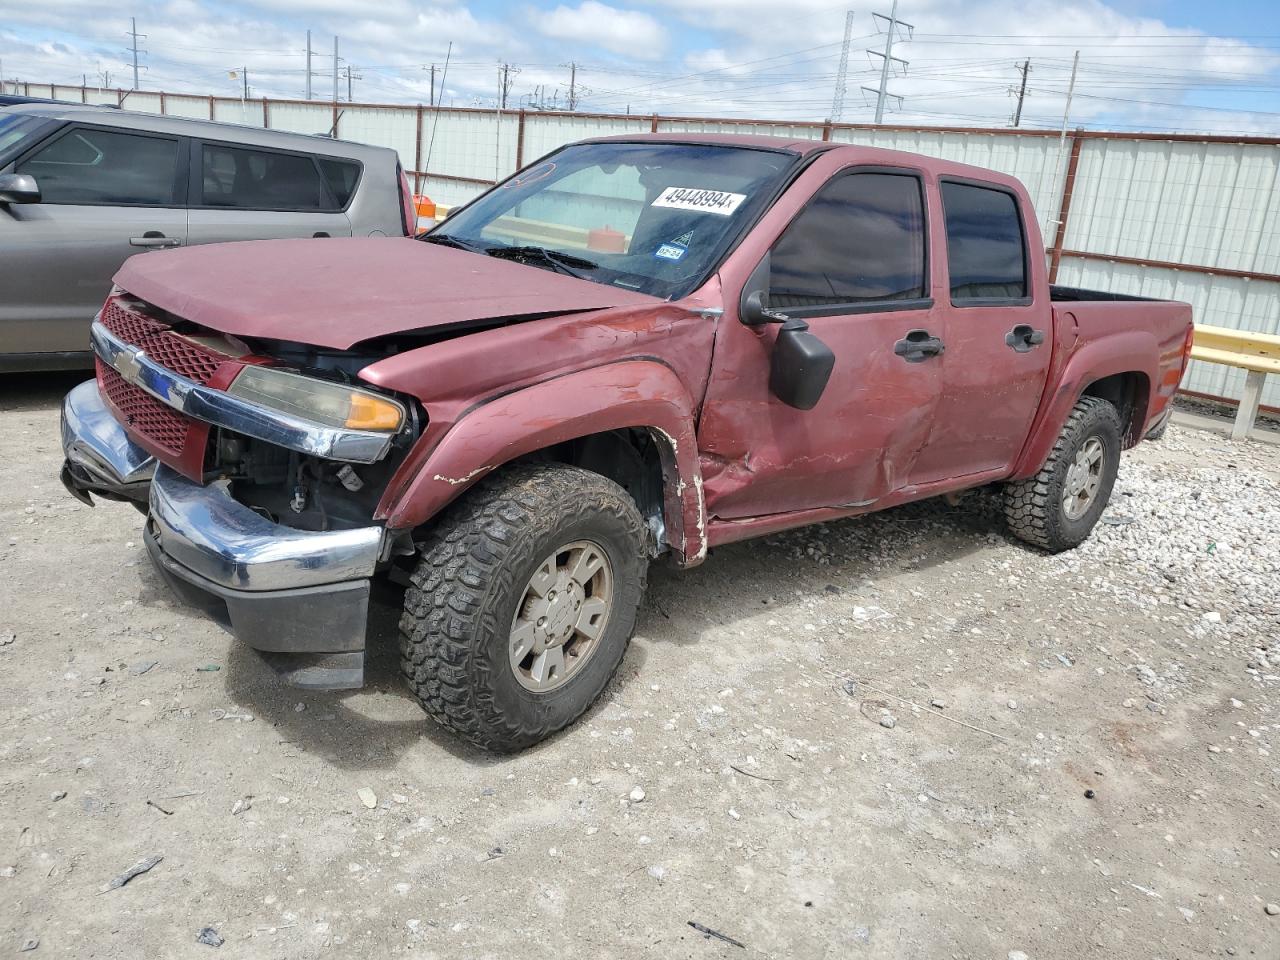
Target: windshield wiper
[445, 240]
[560, 262]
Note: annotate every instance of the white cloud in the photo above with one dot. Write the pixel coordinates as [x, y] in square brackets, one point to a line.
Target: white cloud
[627, 32]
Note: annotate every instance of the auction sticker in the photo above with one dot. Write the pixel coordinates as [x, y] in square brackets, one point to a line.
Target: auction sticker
[706, 201]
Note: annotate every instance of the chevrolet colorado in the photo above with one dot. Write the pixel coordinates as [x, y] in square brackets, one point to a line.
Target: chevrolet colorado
[636, 347]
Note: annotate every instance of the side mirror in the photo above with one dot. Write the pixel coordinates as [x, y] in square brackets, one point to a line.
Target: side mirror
[18, 188]
[800, 366]
[755, 314]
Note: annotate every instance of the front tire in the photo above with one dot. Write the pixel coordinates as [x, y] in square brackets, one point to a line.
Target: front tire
[1058, 507]
[523, 603]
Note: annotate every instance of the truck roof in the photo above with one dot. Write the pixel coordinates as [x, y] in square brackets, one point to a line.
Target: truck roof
[856, 152]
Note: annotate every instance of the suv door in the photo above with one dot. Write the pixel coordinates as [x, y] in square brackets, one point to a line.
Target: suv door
[999, 339]
[256, 193]
[853, 264]
[106, 194]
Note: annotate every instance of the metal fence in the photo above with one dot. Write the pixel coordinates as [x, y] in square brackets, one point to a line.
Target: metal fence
[1186, 217]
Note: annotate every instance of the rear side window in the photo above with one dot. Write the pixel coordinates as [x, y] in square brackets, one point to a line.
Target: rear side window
[986, 251]
[260, 180]
[860, 240]
[341, 176]
[101, 167]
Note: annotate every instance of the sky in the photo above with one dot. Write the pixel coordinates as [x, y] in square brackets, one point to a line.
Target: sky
[1159, 65]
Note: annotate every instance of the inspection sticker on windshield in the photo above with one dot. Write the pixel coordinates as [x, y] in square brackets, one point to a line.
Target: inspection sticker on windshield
[670, 251]
[707, 201]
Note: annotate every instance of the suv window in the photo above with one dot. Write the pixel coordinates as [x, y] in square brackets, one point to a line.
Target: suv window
[260, 180]
[101, 167]
[860, 240]
[986, 252]
[341, 176]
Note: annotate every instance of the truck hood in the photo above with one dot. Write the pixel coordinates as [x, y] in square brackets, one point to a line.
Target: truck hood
[334, 293]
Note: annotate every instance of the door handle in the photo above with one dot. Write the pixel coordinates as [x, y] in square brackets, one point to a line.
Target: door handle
[154, 238]
[1023, 337]
[917, 346]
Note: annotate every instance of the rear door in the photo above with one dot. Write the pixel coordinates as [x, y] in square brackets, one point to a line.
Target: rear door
[256, 193]
[106, 194]
[999, 336]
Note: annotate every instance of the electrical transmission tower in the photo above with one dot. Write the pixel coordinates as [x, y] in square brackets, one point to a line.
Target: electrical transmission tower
[837, 102]
[1022, 92]
[133, 32]
[888, 59]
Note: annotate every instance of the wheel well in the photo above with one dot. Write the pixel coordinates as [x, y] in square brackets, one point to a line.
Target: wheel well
[629, 457]
[1129, 393]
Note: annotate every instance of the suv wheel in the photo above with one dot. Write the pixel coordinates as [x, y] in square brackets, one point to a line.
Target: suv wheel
[523, 602]
[1058, 507]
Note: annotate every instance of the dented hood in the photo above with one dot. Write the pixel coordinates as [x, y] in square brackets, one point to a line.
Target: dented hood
[337, 292]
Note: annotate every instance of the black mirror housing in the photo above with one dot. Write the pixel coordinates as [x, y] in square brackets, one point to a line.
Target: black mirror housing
[800, 366]
[19, 188]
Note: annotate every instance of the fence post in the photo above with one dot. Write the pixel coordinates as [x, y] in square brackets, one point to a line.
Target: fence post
[520, 140]
[417, 154]
[653, 124]
[266, 118]
[163, 108]
[210, 101]
[84, 94]
[826, 130]
[1064, 207]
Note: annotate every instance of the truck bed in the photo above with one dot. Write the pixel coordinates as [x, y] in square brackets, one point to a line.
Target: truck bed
[1061, 294]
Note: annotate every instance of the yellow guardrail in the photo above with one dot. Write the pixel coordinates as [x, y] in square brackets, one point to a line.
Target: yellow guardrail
[1258, 353]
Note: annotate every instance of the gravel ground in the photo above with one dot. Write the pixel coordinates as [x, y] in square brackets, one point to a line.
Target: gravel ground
[902, 736]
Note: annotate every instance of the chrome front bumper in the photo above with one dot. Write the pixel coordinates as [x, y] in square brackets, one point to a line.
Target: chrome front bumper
[100, 457]
[285, 591]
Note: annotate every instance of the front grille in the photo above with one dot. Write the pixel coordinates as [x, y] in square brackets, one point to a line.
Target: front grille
[160, 343]
[165, 427]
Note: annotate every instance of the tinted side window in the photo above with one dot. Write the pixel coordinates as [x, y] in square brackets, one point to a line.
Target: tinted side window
[341, 176]
[258, 180]
[986, 253]
[860, 239]
[94, 166]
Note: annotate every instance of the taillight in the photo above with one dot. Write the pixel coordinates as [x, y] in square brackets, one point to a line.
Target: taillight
[1187, 344]
[408, 217]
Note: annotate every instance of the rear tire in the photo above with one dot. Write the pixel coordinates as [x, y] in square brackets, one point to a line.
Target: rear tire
[499, 642]
[1058, 507]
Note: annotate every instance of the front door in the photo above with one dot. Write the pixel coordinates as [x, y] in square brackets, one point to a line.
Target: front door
[999, 340]
[106, 194]
[253, 193]
[853, 264]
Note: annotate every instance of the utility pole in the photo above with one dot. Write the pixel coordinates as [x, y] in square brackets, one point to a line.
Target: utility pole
[890, 35]
[837, 102]
[504, 83]
[433, 85]
[133, 32]
[1022, 92]
[350, 77]
[245, 76]
[335, 69]
[573, 86]
[1071, 89]
[308, 64]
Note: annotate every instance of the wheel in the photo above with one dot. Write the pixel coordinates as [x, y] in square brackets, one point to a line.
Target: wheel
[1058, 507]
[521, 607]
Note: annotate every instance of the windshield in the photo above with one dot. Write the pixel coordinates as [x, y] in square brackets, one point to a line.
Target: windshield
[652, 217]
[17, 131]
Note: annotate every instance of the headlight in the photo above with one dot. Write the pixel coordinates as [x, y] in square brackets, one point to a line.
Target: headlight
[319, 401]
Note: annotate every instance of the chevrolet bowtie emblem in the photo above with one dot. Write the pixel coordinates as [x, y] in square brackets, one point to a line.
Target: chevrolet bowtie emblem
[128, 366]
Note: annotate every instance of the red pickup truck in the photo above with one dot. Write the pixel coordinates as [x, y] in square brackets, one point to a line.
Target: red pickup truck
[637, 347]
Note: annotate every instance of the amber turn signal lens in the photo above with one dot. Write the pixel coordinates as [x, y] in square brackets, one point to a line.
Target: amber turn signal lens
[372, 413]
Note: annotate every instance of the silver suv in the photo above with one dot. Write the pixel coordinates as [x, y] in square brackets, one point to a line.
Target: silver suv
[82, 189]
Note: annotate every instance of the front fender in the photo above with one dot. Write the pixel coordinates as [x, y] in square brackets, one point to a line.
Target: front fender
[644, 394]
[1131, 351]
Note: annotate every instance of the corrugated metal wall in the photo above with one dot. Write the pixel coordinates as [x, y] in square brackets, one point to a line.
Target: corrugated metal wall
[1177, 203]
